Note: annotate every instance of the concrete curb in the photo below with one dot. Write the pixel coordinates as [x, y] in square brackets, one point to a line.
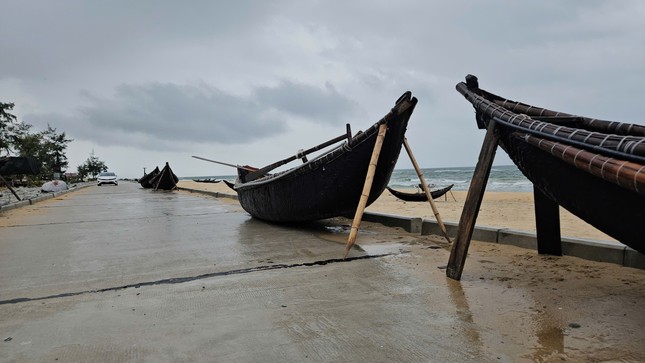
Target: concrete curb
[212, 194]
[40, 198]
[592, 250]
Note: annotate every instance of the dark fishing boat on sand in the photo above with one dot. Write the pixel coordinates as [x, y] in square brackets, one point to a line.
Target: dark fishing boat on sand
[593, 168]
[330, 184]
[207, 180]
[146, 178]
[419, 196]
[165, 179]
[14, 165]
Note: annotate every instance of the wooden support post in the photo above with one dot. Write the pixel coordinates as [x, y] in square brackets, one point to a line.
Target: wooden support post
[426, 190]
[8, 186]
[473, 203]
[547, 224]
[367, 187]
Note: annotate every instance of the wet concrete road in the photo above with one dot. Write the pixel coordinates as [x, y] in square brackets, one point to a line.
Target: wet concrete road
[126, 274]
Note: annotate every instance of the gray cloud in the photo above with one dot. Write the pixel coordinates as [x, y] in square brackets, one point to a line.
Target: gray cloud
[303, 100]
[169, 116]
[243, 76]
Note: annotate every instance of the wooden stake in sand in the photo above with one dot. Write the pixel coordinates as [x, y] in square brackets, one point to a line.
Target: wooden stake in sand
[473, 203]
[426, 190]
[367, 187]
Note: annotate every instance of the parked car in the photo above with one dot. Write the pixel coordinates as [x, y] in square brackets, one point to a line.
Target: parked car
[107, 177]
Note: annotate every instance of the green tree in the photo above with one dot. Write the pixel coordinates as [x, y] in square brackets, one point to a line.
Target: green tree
[92, 167]
[7, 121]
[53, 150]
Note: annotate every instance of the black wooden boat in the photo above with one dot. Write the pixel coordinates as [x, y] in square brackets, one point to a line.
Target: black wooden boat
[593, 168]
[14, 165]
[146, 178]
[421, 196]
[165, 179]
[207, 180]
[331, 184]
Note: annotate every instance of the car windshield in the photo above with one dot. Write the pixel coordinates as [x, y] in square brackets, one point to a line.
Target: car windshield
[106, 174]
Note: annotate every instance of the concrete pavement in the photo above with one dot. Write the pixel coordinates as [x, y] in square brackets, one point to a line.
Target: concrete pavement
[126, 274]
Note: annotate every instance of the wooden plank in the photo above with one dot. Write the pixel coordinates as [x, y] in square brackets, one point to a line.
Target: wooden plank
[473, 203]
[547, 224]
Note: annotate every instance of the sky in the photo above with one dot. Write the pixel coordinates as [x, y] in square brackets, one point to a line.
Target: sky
[141, 83]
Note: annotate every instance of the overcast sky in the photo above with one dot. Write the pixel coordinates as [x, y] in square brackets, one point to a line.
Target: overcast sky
[251, 82]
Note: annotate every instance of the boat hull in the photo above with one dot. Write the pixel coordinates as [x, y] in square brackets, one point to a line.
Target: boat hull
[593, 168]
[144, 181]
[165, 179]
[419, 197]
[330, 185]
[616, 211]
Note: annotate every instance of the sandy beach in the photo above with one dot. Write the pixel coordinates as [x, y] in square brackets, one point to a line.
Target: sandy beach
[512, 210]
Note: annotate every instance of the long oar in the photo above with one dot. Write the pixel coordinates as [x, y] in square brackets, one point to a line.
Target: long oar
[367, 187]
[226, 164]
[426, 189]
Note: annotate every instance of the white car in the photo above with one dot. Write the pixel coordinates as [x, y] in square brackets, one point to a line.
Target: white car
[107, 178]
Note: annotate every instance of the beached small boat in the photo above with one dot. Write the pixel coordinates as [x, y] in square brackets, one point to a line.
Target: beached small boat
[207, 180]
[420, 196]
[146, 178]
[593, 168]
[331, 184]
[165, 179]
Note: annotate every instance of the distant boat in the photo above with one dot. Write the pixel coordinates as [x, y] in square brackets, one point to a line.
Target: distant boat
[165, 179]
[593, 168]
[208, 180]
[331, 184]
[421, 196]
[146, 178]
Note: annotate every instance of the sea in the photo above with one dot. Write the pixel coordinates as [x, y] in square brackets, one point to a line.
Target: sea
[504, 178]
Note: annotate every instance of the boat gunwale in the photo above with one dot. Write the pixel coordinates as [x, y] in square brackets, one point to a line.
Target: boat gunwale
[324, 159]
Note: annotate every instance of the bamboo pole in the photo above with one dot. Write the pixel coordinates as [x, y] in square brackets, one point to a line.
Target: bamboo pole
[367, 187]
[426, 190]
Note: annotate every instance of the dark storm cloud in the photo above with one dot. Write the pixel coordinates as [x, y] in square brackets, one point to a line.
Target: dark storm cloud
[181, 113]
[165, 114]
[306, 101]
